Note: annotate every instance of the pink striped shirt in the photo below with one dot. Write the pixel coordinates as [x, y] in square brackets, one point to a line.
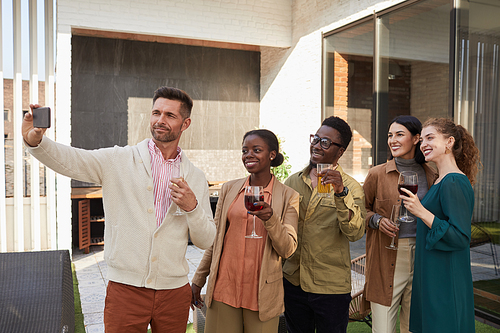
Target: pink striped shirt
[162, 171]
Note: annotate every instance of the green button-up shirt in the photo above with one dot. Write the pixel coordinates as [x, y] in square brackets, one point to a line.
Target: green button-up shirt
[322, 262]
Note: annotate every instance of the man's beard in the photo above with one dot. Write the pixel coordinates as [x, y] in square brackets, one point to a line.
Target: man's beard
[166, 137]
[312, 165]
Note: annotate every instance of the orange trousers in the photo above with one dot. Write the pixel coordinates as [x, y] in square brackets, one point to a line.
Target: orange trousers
[130, 309]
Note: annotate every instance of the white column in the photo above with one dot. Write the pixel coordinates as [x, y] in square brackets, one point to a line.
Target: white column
[63, 133]
[17, 116]
[3, 215]
[34, 164]
[49, 101]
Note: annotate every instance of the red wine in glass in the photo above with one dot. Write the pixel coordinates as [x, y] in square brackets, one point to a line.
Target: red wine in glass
[407, 180]
[412, 188]
[253, 194]
[251, 199]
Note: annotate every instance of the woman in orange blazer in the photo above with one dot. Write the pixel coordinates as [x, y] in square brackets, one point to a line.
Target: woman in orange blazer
[245, 288]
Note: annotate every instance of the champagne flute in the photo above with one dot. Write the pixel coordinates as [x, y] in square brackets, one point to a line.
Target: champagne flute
[409, 181]
[177, 173]
[395, 219]
[253, 194]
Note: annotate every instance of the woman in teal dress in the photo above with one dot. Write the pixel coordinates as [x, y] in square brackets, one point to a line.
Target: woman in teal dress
[442, 297]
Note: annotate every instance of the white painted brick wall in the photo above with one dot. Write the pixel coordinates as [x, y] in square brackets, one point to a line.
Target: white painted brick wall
[257, 22]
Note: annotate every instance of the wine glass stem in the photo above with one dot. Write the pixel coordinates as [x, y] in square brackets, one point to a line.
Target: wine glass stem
[253, 229]
[404, 210]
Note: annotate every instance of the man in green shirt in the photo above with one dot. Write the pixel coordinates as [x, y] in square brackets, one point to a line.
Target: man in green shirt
[318, 275]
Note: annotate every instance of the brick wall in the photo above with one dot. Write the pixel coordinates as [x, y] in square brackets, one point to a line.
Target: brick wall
[8, 92]
[429, 89]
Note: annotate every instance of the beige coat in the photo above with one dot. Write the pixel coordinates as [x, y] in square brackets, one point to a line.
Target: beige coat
[281, 243]
[381, 192]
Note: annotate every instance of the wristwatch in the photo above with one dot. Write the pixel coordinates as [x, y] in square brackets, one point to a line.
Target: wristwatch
[377, 223]
[343, 193]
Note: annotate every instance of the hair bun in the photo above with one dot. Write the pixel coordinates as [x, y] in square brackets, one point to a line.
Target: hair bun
[278, 160]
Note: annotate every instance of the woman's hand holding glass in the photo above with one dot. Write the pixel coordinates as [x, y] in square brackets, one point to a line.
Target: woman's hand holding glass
[265, 213]
[396, 220]
[387, 227]
[414, 206]
[412, 203]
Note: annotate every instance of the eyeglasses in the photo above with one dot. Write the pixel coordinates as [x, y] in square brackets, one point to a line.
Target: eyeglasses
[325, 143]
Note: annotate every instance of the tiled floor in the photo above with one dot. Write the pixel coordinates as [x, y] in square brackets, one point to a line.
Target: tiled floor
[91, 273]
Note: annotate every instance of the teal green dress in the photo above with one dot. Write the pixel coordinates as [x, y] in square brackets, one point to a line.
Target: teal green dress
[442, 298]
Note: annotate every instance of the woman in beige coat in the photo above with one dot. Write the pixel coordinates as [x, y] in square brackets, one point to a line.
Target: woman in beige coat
[245, 288]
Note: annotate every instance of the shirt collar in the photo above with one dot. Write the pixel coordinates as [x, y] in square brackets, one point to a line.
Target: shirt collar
[391, 166]
[154, 150]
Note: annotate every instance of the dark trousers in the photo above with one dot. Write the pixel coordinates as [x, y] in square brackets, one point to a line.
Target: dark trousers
[306, 312]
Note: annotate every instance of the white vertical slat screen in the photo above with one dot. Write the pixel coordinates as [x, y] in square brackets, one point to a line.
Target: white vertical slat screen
[3, 204]
[17, 114]
[34, 164]
[22, 219]
[50, 101]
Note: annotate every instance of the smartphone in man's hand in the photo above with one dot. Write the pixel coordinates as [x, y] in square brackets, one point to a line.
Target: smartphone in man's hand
[41, 117]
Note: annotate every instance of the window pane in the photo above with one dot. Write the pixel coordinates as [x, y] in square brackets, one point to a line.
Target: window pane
[349, 92]
[413, 66]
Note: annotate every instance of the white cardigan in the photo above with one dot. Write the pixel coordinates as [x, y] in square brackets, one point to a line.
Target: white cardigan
[137, 252]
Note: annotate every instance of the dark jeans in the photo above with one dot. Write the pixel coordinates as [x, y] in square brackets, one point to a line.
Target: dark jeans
[305, 312]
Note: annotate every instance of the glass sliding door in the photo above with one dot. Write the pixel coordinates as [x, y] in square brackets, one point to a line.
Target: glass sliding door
[412, 65]
[477, 104]
[406, 73]
[348, 91]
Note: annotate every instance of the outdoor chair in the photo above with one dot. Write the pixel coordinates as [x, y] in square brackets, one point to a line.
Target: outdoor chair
[481, 236]
[357, 310]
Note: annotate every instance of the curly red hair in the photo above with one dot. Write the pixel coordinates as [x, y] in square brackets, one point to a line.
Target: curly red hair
[465, 150]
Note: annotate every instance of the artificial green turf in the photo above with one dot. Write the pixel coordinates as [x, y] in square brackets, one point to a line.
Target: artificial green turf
[79, 325]
[491, 286]
[356, 327]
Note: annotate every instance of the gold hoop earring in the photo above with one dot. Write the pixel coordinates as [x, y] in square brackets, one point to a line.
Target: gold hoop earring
[447, 150]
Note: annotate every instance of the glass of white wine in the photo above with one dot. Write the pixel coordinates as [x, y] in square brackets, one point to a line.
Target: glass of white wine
[396, 220]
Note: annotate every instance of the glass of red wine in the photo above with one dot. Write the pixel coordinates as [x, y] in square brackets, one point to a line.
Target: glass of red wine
[253, 194]
[409, 181]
